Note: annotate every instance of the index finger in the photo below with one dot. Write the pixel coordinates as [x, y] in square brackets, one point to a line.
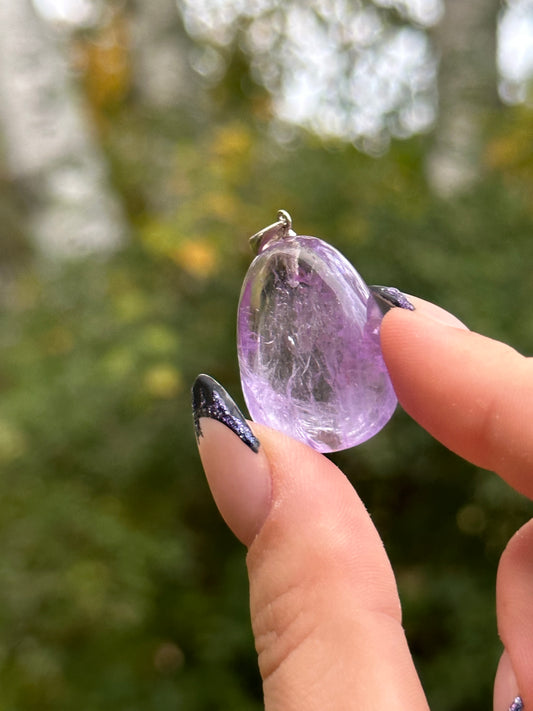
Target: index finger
[472, 393]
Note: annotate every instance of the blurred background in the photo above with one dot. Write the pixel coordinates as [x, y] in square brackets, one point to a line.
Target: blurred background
[142, 142]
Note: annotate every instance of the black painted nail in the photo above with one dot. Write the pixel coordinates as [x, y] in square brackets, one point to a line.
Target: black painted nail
[389, 297]
[210, 399]
[517, 704]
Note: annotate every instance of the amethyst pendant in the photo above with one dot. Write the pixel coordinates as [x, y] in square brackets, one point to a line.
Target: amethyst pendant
[308, 343]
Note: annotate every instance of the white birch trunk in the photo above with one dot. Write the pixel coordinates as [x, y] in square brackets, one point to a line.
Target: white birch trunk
[164, 83]
[48, 144]
[162, 73]
[465, 41]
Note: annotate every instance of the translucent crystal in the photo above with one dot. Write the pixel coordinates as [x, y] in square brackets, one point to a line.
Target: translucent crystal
[308, 346]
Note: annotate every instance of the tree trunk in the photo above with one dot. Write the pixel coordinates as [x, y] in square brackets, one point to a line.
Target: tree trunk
[49, 148]
[465, 41]
[164, 83]
[162, 73]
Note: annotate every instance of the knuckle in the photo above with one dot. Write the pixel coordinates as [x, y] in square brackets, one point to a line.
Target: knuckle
[281, 625]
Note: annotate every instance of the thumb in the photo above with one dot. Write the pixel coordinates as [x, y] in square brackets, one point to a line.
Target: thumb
[324, 605]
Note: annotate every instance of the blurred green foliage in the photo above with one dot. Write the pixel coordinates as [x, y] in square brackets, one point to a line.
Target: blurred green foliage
[119, 585]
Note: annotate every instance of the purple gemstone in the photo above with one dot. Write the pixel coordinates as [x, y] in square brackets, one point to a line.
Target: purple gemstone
[308, 345]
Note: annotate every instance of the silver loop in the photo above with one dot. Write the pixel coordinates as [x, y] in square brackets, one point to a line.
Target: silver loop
[277, 230]
[283, 216]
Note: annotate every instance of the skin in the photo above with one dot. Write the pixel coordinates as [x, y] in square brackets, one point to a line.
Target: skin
[324, 605]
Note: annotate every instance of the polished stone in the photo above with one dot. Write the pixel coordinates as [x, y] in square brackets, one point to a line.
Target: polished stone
[308, 345]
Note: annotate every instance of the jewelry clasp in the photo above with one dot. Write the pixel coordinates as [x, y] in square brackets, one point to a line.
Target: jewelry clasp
[277, 230]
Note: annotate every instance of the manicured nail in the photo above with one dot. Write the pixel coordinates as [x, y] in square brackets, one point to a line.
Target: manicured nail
[209, 399]
[517, 704]
[236, 468]
[389, 297]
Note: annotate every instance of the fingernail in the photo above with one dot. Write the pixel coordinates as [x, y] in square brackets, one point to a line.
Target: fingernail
[389, 297]
[235, 466]
[210, 399]
[517, 704]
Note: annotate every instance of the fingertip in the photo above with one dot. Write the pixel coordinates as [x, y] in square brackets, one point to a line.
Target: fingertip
[514, 596]
[239, 480]
[407, 338]
[422, 349]
[505, 684]
[472, 393]
[236, 468]
[436, 313]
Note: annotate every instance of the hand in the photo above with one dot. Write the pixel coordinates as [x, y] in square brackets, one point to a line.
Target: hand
[324, 605]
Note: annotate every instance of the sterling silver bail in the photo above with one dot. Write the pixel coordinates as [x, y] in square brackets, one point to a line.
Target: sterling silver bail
[280, 229]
